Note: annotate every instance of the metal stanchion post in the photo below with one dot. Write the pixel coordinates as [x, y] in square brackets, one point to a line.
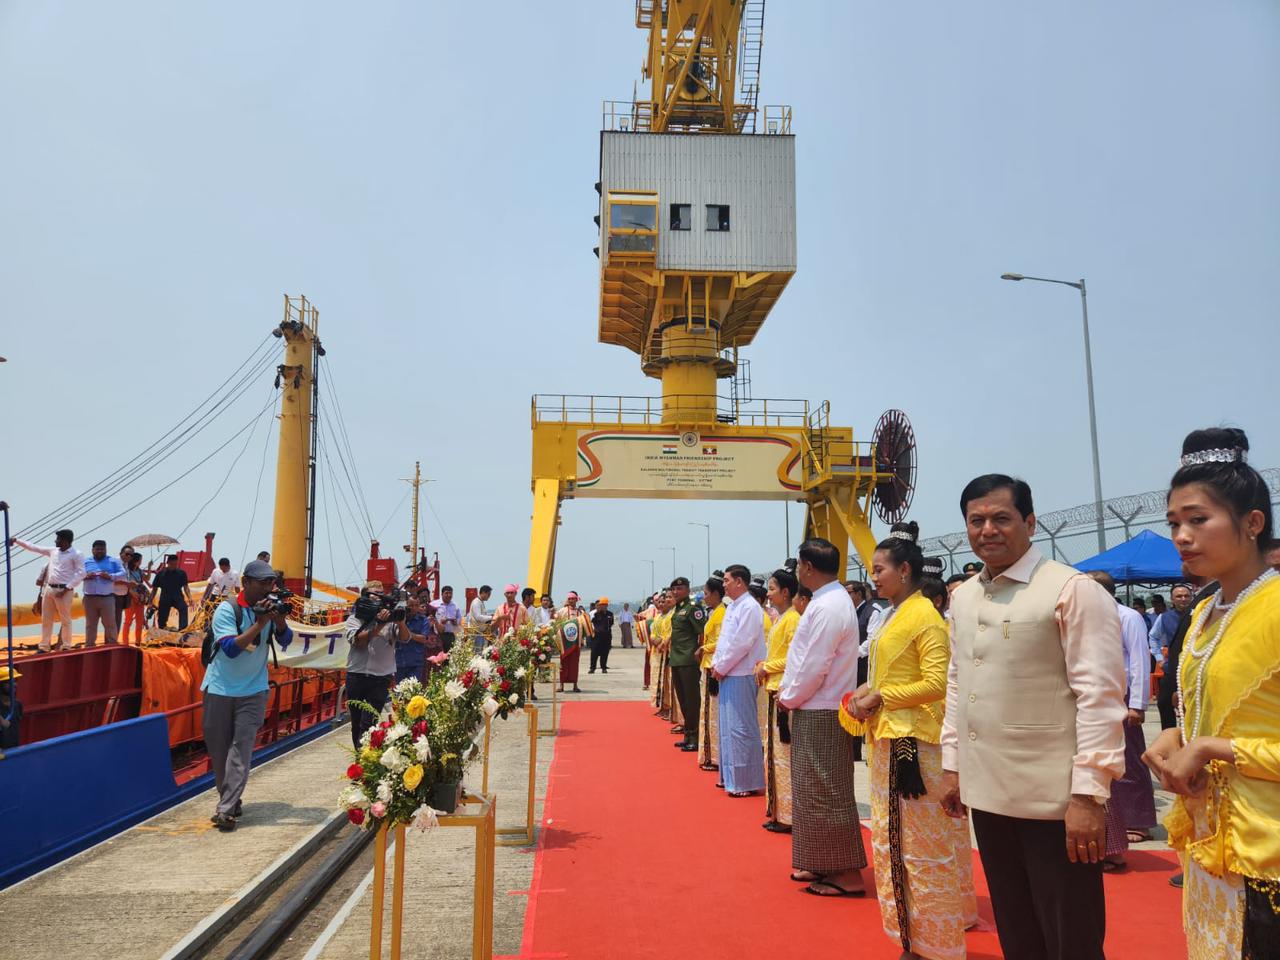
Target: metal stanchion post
[379, 881]
[397, 894]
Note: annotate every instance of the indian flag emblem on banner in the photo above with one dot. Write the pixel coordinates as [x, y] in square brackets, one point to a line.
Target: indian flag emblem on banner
[708, 451]
[669, 450]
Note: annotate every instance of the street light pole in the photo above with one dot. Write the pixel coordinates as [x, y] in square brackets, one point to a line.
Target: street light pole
[707, 526]
[1093, 417]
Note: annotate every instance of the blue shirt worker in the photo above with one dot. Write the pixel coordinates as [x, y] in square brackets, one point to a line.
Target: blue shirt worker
[411, 657]
[235, 684]
[101, 572]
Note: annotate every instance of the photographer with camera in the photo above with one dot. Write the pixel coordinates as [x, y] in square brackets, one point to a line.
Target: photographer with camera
[235, 682]
[376, 625]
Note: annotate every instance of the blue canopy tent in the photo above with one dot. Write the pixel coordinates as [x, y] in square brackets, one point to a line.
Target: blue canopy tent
[1147, 558]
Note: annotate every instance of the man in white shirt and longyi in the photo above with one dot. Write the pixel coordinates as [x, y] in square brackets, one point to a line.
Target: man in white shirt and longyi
[822, 666]
[740, 647]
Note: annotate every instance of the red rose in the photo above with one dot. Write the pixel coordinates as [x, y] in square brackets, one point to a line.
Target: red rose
[356, 816]
[523, 642]
[502, 671]
[505, 686]
[385, 724]
[376, 738]
[468, 678]
[420, 729]
[355, 771]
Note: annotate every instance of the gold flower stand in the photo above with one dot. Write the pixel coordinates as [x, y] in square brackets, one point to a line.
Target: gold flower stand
[522, 835]
[482, 820]
[552, 730]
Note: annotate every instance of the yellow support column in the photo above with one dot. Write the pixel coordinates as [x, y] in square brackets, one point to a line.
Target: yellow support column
[289, 533]
[542, 534]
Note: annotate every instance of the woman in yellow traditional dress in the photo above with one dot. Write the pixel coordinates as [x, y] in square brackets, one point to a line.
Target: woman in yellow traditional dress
[922, 856]
[708, 719]
[1223, 759]
[782, 589]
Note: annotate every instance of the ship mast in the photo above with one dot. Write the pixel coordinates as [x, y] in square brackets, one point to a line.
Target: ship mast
[417, 485]
[293, 529]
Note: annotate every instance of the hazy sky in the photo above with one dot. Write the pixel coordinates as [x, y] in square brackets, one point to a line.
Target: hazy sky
[425, 176]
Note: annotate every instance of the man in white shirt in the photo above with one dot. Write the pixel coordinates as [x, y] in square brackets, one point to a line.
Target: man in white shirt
[1132, 811]
[740, 647]
[63, 574]
[822, 665]
[478, 615]
[625, 619]
[223, 582]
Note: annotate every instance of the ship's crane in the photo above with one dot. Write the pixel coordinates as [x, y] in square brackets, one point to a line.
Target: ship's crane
[697, 221]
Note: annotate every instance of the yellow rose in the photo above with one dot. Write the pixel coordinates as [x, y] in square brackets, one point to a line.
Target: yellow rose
[417, 707]
[413, 777]
[370, 755]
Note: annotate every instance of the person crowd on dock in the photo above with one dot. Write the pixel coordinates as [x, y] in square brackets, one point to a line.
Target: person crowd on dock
[1005, 703]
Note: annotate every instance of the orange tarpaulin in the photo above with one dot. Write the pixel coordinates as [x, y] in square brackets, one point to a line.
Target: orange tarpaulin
[171, 678]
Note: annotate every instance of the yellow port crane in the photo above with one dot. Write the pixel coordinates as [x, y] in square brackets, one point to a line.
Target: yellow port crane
[697, 222]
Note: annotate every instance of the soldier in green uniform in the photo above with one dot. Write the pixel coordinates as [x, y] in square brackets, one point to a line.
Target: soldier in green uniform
[687, 620]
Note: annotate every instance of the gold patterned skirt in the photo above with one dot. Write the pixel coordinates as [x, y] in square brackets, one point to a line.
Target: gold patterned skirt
[1212, 912]
[708, 726]
[923, 860]
[777, 757]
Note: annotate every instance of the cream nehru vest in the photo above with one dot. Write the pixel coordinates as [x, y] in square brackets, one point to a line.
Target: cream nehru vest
[1015, 711]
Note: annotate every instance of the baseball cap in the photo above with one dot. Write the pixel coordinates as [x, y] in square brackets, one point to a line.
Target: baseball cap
[258, 570]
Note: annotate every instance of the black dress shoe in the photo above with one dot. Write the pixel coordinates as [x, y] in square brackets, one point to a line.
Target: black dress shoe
[689, 747]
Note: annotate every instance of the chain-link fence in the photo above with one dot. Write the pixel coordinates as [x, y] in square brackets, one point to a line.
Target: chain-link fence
[1071, 535]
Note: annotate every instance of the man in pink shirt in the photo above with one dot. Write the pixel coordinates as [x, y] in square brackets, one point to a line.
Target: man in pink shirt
[1032, 736]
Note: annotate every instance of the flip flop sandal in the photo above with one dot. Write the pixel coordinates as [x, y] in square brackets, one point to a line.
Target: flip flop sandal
[810, 876]
[812, 889]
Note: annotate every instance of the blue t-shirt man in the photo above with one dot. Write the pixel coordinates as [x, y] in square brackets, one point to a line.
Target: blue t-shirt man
[411, 657]
[234, 672]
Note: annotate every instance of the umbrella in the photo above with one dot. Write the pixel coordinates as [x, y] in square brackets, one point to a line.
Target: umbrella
[152, 540]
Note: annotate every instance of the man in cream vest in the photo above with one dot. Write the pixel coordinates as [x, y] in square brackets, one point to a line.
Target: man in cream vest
[1033, 732]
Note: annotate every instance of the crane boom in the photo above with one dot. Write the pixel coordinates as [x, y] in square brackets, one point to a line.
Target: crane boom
[703, 65]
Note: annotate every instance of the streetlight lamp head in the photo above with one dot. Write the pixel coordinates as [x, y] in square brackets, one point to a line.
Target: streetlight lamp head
[1012, 276]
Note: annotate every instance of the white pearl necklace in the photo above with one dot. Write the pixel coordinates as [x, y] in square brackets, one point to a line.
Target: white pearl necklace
[1204, 653]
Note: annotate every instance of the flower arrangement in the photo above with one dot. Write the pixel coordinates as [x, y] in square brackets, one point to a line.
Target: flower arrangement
[544, 648]
[431, 730]
[390, 776]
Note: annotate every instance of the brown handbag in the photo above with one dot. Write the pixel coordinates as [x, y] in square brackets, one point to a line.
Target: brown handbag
[38, 607]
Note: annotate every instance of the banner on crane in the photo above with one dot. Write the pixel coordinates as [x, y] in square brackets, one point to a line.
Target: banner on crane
[723, 464]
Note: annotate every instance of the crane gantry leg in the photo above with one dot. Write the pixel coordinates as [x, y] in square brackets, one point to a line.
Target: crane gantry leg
[542, 533]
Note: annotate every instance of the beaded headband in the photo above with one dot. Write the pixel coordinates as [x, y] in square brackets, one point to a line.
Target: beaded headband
[1217, 455]
[902, 535]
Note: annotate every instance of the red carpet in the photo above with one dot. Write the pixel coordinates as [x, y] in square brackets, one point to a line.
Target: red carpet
[640, 856]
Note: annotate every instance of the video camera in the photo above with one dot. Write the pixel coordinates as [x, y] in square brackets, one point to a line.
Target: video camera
[277, 601]
[368, 605]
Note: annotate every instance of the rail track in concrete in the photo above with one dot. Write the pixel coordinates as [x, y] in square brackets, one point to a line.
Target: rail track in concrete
[285, 911]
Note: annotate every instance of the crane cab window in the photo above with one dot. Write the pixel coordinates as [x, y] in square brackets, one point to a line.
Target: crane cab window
[681, 216]
[717, 217]
[633, 225]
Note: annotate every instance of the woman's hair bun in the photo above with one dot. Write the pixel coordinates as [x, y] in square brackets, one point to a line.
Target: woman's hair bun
[909, 530]
[1215, 438]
